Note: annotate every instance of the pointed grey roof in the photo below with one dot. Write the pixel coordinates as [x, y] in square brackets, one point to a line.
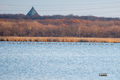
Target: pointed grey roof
[32, 12]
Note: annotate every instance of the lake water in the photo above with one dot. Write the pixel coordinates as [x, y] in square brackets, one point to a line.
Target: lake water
[59, 61]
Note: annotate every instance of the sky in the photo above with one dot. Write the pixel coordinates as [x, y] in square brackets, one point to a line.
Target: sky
[99, 8]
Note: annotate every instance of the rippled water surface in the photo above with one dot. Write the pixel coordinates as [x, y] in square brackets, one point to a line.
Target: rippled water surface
[59, 61]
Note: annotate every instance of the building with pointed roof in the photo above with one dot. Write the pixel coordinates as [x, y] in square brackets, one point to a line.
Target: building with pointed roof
[32, 12]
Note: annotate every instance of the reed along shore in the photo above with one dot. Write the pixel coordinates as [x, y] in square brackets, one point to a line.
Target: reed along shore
[60, 39]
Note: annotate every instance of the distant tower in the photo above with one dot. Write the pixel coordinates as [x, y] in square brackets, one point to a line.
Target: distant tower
[32, 12]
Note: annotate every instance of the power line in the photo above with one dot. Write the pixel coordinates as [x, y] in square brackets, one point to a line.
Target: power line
[65, 8]
[68, 9]
[68, 4]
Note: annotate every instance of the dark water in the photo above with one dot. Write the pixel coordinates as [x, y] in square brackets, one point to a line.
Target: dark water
[59, 61]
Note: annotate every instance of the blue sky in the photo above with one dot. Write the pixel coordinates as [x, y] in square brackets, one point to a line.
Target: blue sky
[100, 8]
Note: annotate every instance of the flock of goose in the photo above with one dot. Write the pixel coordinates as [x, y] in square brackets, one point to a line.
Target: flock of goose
[60, 43]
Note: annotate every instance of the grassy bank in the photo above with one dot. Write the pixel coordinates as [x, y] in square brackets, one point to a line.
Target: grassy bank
[60, 39]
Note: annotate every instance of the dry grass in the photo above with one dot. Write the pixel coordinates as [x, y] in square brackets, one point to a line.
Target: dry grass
[60, 39]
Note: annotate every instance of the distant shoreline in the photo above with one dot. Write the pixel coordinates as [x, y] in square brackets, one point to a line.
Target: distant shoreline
[60, 39]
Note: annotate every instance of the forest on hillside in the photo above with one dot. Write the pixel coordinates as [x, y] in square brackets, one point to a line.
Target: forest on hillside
[59, 28]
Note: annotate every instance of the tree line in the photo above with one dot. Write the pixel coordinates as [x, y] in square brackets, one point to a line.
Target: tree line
[59, 28]
[34, 17]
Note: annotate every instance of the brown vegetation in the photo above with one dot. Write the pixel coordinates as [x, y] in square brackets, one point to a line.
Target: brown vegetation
[59, 28]
[60, 39]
